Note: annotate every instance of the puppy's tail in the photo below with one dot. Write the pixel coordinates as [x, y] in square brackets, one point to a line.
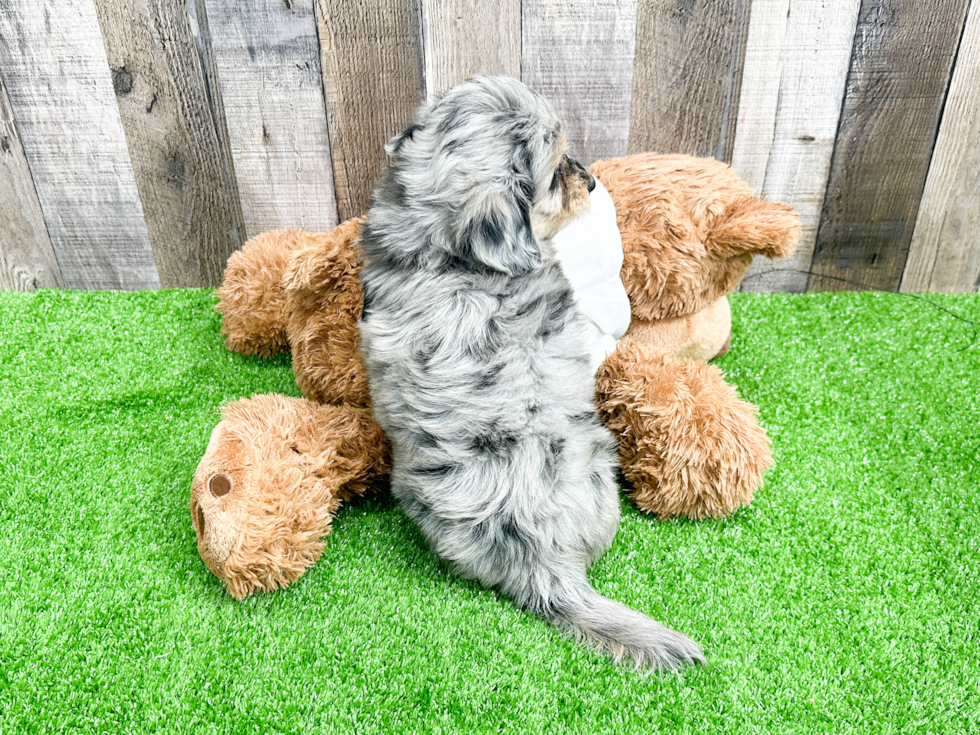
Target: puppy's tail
[623, 633]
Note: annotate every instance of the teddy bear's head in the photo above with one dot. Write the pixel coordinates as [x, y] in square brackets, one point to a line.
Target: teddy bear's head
[274, 473]
[260, 502]
[690, 230]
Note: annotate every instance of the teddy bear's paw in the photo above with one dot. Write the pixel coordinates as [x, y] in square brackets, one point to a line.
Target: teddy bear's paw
[688, 444]
[252, 300]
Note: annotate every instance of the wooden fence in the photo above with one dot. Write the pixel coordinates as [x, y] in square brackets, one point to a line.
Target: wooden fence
[141, 141]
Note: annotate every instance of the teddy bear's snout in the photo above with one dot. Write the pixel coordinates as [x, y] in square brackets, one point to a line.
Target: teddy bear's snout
[220, 485]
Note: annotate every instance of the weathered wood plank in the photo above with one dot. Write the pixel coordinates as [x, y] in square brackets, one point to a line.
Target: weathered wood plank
[172, 140]
[945, 249]
[796, 62]
[371, 57]
[27, 260]
[201, 31]
[900, 71]
[687, 76]
[61, 93]
[466, 37]
[272, 92]
[580, 56]
[762, 76]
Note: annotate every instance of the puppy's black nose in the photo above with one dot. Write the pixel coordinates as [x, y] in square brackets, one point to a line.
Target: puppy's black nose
[591, 182]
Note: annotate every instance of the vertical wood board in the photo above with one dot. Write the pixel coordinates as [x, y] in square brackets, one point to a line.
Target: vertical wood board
[762, 76]
[899, 73]
[945, 250]
[27, 260]
[579, 55]
[687, 76]
[172, 139]
[371, 58]
[796, 64]
[198, 17]
[466, 37]
[61, 94]
[268, 62]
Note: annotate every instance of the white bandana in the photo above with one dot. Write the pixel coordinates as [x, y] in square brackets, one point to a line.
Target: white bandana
[590, 250]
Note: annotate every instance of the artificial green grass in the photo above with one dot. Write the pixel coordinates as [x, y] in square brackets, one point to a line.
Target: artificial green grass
[845, 599]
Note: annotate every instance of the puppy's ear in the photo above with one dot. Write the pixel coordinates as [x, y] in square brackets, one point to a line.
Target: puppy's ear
[395, 144]
[501, 237]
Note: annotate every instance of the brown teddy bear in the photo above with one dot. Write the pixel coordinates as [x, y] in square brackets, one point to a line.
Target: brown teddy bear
[277, 468]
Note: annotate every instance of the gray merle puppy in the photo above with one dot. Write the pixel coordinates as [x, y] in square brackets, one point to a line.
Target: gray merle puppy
[478, 366]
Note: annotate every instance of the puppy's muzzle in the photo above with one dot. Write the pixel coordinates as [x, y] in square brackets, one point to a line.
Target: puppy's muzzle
[577, 169]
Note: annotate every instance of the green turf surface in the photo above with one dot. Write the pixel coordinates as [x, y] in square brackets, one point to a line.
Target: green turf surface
[845, 599]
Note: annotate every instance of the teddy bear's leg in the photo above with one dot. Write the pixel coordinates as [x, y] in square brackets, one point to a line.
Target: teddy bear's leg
[252, 300]
[274, 473]
[688, 444]
[323, 290]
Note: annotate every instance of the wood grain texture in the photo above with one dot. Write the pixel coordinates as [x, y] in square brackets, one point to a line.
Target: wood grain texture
[899, 74]
[198, 17]
[268, 62]
[371, 58]
[27, 260]
[945, 250]
[796, 62]
[172, 140]
[466, 37]
[61, 94]
[579, 55]
[687, 76]
[762, 76]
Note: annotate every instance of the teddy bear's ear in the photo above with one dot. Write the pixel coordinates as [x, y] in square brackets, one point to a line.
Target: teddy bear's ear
[754, 225]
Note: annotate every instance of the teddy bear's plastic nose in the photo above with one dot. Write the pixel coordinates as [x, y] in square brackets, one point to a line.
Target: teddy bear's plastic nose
[220, 485]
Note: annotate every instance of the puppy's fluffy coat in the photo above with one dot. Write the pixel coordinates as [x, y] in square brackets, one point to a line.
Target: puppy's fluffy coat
[478, 367]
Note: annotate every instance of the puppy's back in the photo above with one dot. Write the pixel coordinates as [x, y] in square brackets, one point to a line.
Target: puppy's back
[480, 375]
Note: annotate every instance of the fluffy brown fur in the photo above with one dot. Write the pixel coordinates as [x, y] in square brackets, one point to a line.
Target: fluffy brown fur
[252, 294]
[703, 335]
[688, 445]
[690, 229]
[300, 291]
[274, 473]
[324, 301]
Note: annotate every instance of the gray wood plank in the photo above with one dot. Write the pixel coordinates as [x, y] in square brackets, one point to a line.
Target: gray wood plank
[27, 260]
[466, 37]
[945, 250]
[61, 94]
[796, 62]
[268, 62]
[201, 31]
[172, 138]
[899, 74]
[762, 76]
[579, 55]
[371, 58]
[687, 76]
